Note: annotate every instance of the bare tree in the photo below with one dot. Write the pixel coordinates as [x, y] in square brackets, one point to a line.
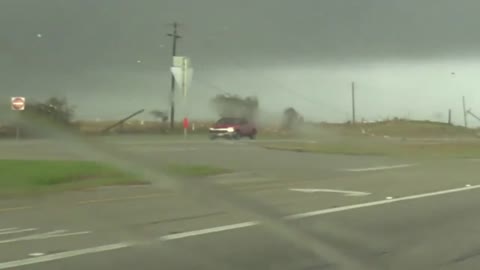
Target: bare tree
[291, 119]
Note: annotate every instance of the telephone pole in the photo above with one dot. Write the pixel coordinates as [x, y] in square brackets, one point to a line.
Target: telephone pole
[464, 111]
[174, 36]
[353, 103]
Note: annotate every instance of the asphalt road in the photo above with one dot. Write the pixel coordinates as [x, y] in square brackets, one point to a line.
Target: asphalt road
[282, 210]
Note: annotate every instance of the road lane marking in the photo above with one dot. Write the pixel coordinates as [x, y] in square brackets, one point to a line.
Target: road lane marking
[232, 174]
[15, 208]
[154, 195]
[381, 168]
[8, 229]
[151, 149]
[346, 192]
[114, 199]
[68, 254]
[41, 236]
[208, 231]
[62, 255]
[36, 254]
[382, 202]
[18, 231]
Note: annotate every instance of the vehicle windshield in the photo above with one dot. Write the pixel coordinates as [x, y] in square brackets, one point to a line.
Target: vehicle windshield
[229, 121]
[239, 134]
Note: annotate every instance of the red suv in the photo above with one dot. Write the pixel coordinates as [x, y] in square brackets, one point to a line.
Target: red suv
[234, 128]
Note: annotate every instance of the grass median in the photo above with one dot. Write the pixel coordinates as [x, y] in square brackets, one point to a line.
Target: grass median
[385, 148]
[24, 177]
[33, 177]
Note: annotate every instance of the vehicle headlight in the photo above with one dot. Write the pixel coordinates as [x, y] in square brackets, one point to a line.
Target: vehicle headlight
[230, 129]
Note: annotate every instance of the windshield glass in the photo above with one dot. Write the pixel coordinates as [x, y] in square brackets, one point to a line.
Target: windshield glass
[229, 121]
[239, 134]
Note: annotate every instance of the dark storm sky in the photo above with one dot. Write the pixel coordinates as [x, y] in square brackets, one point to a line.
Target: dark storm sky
[111, 57]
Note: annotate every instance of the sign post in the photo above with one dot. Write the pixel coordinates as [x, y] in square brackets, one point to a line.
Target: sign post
[182, 72]
[17, 104]
[185, 127]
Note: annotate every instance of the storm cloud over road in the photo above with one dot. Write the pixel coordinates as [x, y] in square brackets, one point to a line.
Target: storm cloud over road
[288, 53]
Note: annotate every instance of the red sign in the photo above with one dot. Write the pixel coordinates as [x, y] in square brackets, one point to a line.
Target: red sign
[18, 103]
[185, 122]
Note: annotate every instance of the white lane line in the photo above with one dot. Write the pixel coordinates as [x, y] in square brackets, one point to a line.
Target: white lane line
[17, 231]
[232, 174]
[208, 231]
[151, 149]
[376, 203]
[41, 236]
[36, 254]
[346, 192]
[381, 168]
[62, 255]
[8, 229]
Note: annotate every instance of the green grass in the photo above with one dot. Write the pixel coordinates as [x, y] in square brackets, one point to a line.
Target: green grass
[33, 176]
[382, 148]
[401, 128]
[194, 170]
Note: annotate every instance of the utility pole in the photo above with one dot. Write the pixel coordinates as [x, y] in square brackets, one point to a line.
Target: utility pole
[174, 36]
[353, 103]
[464, 111]
[449, 116]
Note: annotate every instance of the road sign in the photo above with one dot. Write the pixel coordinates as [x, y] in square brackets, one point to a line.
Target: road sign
[18, 103]
[185, 123]
[182, 72]
[178, 61]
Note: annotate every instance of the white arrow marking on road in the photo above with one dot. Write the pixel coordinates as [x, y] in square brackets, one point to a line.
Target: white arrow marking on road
[381, 168]
[346, 192]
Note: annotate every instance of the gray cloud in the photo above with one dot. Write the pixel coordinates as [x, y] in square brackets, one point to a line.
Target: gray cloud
[90, 48]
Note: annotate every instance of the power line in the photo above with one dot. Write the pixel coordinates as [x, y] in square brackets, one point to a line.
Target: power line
[314, 101]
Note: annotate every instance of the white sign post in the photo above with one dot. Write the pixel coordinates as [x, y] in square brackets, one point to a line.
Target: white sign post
[182, 72]
[17, 104]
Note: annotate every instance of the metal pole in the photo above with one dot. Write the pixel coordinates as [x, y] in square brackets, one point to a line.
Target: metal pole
[450, 116]
[353, 103]
[464, 112]
[174, 36]
[184, 85]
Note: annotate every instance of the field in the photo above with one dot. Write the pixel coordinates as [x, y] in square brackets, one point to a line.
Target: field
[389, 128]
[385, 147]
[402, 129]
[394, 128]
